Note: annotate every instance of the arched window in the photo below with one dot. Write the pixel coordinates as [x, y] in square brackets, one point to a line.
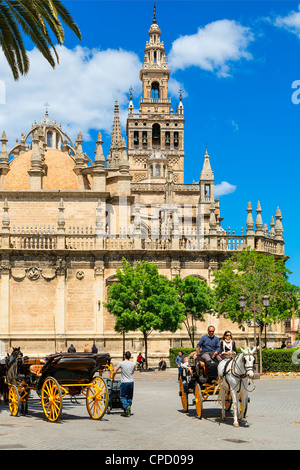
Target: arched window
[155, 90]
[151, 170]
[157, 171]
[156, 136]
[49, 139]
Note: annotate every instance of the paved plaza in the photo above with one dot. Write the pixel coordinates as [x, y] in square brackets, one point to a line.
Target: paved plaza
[159, 423]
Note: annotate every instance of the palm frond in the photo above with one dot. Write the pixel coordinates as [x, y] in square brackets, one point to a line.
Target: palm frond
[37, 19]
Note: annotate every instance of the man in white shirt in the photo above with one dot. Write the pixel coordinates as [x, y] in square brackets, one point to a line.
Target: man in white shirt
[126, 393]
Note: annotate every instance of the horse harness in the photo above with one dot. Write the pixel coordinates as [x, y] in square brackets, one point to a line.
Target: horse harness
[233, 362]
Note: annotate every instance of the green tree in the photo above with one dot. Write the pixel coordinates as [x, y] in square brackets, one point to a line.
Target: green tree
[254, 275]
[143, 300]
[197, 299]
[37, 19]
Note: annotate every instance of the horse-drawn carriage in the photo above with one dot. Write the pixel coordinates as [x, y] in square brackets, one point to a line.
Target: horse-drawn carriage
[59, 376]
[227, 381]
[201, 381]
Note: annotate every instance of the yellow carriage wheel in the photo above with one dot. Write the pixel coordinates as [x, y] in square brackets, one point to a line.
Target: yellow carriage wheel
[97, 398]
[14, 400]
[51, 397]
[198, 400]
[183, 396]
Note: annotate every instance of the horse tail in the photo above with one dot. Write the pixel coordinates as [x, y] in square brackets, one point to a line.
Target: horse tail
[221, 391]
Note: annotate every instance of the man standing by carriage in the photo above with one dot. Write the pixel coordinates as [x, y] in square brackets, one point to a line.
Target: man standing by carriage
[127, 383]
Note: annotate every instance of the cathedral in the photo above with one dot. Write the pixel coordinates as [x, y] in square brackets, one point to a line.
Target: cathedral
[68, 219]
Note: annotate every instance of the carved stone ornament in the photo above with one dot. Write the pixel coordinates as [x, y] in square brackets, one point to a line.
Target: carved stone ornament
[33, 273]
[80, 275]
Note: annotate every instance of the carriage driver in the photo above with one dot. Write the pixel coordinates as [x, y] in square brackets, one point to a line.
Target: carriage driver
[209, 346]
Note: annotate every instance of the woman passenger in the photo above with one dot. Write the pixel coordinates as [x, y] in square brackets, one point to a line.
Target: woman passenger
[227, 346]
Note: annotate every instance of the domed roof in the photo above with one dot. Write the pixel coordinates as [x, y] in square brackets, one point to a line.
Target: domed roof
[59, 172]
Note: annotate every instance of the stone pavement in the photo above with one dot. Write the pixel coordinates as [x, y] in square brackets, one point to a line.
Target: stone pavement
[159, 423]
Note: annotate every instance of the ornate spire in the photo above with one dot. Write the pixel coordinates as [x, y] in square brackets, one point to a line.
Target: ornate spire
[154, 14]
[259, 222]
[79, 155]
[278, 225]
[36, 157]
[180, 106]
[249, 222]
[272, 224]
[116, 136]
[117, 144]
[207, 173]
[99, 158]
[130, 106]
[4, 152]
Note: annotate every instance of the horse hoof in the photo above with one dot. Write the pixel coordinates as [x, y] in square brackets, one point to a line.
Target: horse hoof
[236, 425]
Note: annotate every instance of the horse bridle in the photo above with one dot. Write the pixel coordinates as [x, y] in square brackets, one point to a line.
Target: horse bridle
[242, 376]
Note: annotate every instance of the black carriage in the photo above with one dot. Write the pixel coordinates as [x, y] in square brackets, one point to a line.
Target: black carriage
[62, 375]
[202, 383]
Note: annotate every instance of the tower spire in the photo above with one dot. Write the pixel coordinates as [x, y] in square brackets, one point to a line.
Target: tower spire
[116, 136]
[154, 14]
[117, 144]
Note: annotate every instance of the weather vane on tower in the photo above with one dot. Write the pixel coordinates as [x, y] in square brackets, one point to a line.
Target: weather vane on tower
[154, 13]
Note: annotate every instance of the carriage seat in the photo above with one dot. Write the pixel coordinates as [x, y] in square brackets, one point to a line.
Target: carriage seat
[36, 369]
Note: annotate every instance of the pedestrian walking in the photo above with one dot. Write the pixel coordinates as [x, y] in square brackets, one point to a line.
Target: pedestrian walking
[127, 383]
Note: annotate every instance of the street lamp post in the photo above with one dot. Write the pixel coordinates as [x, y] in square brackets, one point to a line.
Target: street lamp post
[242, 301]
[266, 302]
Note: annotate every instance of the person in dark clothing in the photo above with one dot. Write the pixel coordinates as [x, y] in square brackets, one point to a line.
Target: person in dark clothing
[179, 361]
[94, 349]
[162, 364]
[71, 349]
[209, 346]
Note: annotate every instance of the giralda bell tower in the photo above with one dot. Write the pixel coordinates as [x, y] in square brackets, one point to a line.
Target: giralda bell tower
[155, 133]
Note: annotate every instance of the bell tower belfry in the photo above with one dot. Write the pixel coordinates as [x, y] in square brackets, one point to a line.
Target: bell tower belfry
[154, 128]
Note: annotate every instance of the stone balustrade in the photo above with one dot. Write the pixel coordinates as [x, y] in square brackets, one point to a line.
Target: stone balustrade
[87, 239]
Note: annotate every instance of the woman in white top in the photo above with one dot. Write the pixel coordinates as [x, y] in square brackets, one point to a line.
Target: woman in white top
[227, 345]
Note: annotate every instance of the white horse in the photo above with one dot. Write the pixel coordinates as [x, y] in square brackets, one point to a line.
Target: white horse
[235, 374]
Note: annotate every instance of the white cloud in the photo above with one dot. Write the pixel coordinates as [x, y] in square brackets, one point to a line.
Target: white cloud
[81, 90]
[224, 188]
[291, 22]
[213, 48]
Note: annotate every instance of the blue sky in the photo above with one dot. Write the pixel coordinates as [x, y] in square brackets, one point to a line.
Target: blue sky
[237, 75]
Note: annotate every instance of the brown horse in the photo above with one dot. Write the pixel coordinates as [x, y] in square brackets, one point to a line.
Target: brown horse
[5, 365]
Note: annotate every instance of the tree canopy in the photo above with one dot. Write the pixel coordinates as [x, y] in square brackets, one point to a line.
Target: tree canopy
[144, 300]
[37, 19]
[197, 299]
[254, 275]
